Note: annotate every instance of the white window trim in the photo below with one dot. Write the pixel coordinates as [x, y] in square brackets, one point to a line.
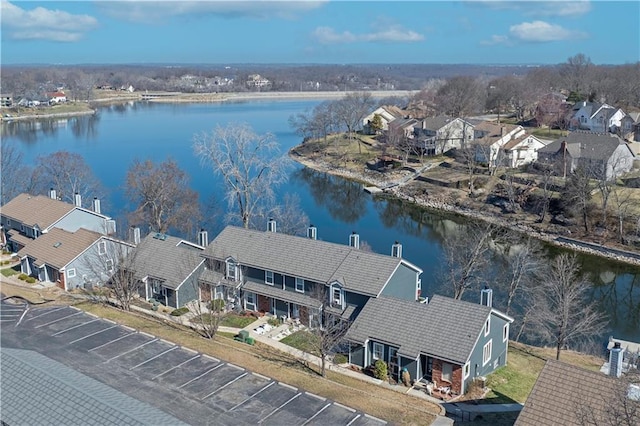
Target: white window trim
[298, 280]
[107, 266]
[102, 247]
[505, 332]
[466, 370]
[487, 326]
[377, 347]
[486, 353]
[266, 277]
[71, 273]
[232, 270]
[337, 301]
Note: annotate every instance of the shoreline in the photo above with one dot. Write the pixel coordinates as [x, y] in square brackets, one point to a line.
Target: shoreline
[618, 255]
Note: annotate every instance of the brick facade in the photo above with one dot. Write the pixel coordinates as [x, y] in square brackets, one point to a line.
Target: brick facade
[205, 291]
[264, 304]
[456, 376]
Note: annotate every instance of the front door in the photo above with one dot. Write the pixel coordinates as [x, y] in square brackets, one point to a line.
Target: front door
[393, 363]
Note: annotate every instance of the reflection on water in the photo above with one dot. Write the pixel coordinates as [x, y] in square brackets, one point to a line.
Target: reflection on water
[30, 131]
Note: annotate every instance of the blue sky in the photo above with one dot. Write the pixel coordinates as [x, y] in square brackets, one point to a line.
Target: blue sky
[340, 32]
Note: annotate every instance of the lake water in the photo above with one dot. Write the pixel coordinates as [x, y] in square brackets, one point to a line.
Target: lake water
[118, 134]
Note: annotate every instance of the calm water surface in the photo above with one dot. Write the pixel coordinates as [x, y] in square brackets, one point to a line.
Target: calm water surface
[113, 138]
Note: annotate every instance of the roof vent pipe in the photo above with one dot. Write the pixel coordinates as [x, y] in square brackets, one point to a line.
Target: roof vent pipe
[96, 205]
[52, 194]
[77, 199]
[354, 240]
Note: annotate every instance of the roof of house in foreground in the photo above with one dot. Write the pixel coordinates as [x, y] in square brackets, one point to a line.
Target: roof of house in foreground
[564, 393]
[58, 247]
[444, 328]
[36, 210]
[315, 260]
[39, 390]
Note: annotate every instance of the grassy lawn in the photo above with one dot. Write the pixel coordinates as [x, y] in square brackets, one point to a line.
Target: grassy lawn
[7, 272]
[233, 320]
[546, 133]
[396, 408]
[301, 340]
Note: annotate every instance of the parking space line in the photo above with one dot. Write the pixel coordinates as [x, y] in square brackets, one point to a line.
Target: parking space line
[211, 358]
[152, 358]
[75, 326]
[110, 341]
[174, 367]
[92, 314]
[46, 313]
[344, 406]
[261, 376]
[147, 334]
[22, 316]
[288, 386]
[224, 386]
[77, 309]
[193, 351]
[58, 320]
[251, 396]
[356, 418]
[203, 374]
[131, 350]
[128, 328]
[316, 414]
[313, 395]
[9, 316]
[93, 334]
[282, 405]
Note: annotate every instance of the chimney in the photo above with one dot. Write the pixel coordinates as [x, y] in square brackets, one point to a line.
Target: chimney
[203, 237]
[354, 240]
[96, 205]
[271, 225]
[396, 249]
[77, 200]
[312, 232]
[486, 296]
[134, 235]
[615, 360]
[52, 194]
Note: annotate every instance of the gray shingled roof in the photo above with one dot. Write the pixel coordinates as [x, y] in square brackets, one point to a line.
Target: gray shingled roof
[444, 328]
[278, 293]
[314, 260]
[37, 390]
[170, 260]
[436, 123]
[36, 210]
[590, 145]
[58, 247]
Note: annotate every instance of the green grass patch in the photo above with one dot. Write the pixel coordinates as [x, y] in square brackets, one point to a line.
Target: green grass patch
[7, 272]
[546, 133]
[514, 381]
[302, 340]
[236, 321]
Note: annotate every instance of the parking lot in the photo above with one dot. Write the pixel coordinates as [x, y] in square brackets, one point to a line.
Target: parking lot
[193, 387]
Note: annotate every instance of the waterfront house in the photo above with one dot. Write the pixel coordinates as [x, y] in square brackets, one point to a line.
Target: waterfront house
[445, 341]
[387, 114]
[72, 259]
[296, 278]
[602, 155]
[27, 217]
[437, 135]
[521, 150]
[167, 269]
[490, 139]
[6, 100]
[56, 97]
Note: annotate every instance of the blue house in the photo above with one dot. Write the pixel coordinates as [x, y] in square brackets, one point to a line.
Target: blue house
[298, 278]
[446, 341]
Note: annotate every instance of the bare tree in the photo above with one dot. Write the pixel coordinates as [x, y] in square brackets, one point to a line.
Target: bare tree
[208, 314]
[250, 164]
[576, 73]
[460, 96]
[625, 204]
[162, 196]
[577, 194]
[466, 257]
[289, 216]
[15, 174]
[350, 111]
[69, 174]
[564, 315]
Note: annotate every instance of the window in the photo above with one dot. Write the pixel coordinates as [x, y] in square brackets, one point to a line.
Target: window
[378, 351]
[336, 296]
[467, 370]
[250, 301]
[447, 372]
[505, 332]
[268, 277]
[109, 265]
[71, 273]
[486, 353]
[232, 270]
[487, 326]
[300, 285]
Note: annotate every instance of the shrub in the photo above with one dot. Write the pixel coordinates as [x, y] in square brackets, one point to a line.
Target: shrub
[380, 370]
[217, 305]
[22, 277]
[274, 322]
[30, 280]
[340, 359]
[180, 311]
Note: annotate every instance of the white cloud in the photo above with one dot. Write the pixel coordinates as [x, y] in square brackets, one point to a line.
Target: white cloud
[540, 31]
[43, 24]
[153, 11]
[539, 8]
[327, 35]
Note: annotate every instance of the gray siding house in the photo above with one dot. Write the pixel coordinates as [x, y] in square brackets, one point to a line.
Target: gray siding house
[167, 268]
[80, 259]
[446, 341]
[27, 217]
[294, 277]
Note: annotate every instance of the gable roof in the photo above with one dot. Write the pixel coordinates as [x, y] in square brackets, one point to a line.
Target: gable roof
[58, 247]
[513, 143]
[315, 260]
[436, 123]
[165, 258]
[589, 145]
[393, 110]
[560, 391]
[36, 210]
[444, 328]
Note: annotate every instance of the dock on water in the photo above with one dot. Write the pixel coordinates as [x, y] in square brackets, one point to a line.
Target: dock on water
[372, 189]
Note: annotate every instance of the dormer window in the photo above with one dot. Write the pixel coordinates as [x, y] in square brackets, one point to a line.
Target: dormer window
[232, 270]
[336, 296]
[268, 277]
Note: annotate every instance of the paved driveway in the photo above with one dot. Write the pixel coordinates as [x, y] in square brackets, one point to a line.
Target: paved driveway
[190, 386]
